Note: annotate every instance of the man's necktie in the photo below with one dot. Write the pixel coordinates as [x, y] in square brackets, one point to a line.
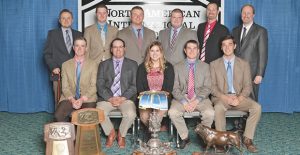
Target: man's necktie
[203, 50]
[102, 35]
[244, 35]
[68, 41]
[140, 38]
[78, 71]
[229, 77]
[173, 39]
[191, 82]
[116, 86]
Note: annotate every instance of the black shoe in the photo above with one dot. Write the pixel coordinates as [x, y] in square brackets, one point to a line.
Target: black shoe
[183, 143]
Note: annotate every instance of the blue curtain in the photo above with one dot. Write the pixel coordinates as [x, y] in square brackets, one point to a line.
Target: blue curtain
[280, 90]
[24, 84]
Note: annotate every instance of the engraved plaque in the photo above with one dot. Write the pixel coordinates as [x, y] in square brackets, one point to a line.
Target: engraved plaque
[88, 140]
[59, 138]
[60, 148]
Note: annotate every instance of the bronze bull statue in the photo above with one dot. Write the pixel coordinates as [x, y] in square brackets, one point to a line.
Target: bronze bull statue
[225, 139]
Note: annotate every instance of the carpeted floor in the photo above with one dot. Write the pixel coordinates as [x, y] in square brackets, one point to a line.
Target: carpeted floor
[22, 134]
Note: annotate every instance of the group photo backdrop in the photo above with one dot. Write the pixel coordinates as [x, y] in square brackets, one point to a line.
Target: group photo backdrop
[24, 80]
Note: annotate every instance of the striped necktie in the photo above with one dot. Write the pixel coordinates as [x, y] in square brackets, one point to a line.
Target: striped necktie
[173, 39]
[68, 41]
[191, 82]
[203, 50]
[116, 86]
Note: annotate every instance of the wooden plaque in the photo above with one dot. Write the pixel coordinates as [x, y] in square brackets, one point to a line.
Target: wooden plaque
[88, 140]
[59, 138]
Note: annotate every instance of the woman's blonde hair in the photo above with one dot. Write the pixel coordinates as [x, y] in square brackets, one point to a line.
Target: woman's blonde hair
[162, 61]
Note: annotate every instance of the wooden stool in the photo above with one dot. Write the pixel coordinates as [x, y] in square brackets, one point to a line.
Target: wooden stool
[88, 140]
[59, 138]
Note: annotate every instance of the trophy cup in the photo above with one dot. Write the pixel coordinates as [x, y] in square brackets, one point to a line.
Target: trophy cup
[155, 100]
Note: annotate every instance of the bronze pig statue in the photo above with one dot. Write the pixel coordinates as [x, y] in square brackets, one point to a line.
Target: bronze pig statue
[225, 139]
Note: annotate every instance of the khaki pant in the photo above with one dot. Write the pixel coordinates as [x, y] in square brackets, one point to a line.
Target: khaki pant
[128, 111]
[176, 114]
[247, 105]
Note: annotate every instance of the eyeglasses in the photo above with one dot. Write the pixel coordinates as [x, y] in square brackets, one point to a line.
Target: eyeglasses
[118, 47]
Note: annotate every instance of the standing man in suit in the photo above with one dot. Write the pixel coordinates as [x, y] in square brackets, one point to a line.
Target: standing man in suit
[100, 35]
[210, 33]
[231, 87]
[174, 38]
[192, 86]
[58, 48]
[78, 82]
[252, 45]
[116, 86]
[136, 36]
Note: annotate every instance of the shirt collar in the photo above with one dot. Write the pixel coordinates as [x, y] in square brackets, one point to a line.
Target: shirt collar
[81, 60]
[101, 26]
[248, 26]
[115, 59]
[231, 60]
[64, 29]
[178, 29]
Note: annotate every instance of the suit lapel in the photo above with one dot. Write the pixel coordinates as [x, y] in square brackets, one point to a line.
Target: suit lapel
[132, 33]
[72, 72]
[237, 70]
[123, 69]
[223, 71]
[62, 40]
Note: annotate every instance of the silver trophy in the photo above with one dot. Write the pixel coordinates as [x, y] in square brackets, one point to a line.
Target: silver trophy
[154, 146]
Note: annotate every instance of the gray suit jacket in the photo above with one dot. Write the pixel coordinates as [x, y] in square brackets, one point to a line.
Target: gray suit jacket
[202, 80]
[55, 50]
[106, 75]
[177, 55]
[242, 82]
[88, 77]
[254, 49]
[132, 50]
[96, 50]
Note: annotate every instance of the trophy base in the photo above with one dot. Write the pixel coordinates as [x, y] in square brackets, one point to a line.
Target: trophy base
[142, 153]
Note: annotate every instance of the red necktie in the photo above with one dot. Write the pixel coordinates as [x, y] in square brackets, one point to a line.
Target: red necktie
[191, 82]
[206, 36]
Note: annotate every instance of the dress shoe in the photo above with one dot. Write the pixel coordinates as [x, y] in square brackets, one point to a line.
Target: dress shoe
[121, 141]
[249, 145]
[110, 138]
[183, 143]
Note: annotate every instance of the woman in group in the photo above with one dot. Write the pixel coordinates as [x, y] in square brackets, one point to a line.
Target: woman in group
[154, 74]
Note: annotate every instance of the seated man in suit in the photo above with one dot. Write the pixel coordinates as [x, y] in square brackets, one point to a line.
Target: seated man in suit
[58, 48]
[174, 38]
[78, 82]
[233, 94]
[191, 89]
[116, 85]
[100, 35]
[136, 36]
